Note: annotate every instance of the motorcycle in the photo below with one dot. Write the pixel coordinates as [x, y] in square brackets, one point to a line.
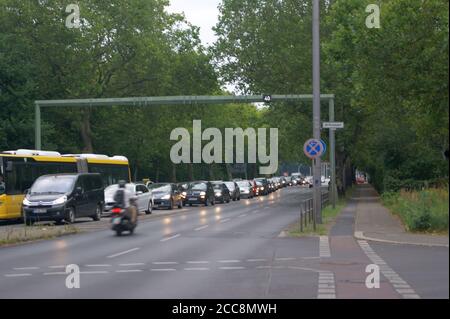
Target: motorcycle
[121, 221]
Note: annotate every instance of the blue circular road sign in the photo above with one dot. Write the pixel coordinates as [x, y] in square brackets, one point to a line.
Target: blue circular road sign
[314, 148]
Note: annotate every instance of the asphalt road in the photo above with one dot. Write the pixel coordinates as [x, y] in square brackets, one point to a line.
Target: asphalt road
[224, 251]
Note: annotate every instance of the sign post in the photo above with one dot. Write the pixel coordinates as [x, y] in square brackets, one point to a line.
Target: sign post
[316, 106]
[332, 126]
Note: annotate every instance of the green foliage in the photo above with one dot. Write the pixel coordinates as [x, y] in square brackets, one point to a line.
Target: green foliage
[391, 84]
[423, 211]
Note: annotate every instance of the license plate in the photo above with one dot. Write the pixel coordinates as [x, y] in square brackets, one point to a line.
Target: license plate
[192, 199]
[116, 221]
[40, 210]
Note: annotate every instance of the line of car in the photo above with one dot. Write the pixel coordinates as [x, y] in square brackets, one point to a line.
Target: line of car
[65, 197]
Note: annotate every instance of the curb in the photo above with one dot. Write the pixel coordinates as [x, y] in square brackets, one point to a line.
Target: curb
[360, 235]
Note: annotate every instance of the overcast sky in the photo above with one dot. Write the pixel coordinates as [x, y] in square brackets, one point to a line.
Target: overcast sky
[201, 13]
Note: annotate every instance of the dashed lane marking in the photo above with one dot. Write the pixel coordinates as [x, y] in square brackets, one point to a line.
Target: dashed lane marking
[231, 268]
[165, 263]
[399, 284]
[98, 265]
[26, 268]
[131, 264]
[169, 238]
[123, 252]
[17, 275]
[196, 268]
[202, 227]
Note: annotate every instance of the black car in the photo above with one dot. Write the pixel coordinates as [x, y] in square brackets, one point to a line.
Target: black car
[262, 186]
[234, 190]
[200, 192]
[221, 192]
[166, 195]
[65, 197]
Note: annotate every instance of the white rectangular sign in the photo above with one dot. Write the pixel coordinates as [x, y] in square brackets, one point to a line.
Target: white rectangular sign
[334, 125]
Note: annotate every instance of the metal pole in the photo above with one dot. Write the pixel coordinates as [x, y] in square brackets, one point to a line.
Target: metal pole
[37, 126]
[316, 108]
[332, 156]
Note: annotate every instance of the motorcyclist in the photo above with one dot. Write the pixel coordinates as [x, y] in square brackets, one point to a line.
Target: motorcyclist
[124, 199]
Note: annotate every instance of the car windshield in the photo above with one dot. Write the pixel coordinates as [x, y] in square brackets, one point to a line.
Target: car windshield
[197, 186]
[243, 184]
[53, 185]
[230, 186]
[111, 190]
[259, 183]
[160, 188]
[217, 186]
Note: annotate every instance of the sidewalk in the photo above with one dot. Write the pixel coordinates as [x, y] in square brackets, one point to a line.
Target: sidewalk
[375, 222]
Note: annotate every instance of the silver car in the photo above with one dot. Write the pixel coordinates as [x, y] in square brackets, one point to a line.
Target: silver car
[143, 195]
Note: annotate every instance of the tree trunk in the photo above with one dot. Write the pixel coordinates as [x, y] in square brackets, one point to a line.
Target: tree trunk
[229, 174]
[174, 173]
[211, 172]
[86, 132]
[191, 171]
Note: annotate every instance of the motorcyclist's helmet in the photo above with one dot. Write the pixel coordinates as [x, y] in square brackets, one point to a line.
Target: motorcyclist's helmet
[122, 184]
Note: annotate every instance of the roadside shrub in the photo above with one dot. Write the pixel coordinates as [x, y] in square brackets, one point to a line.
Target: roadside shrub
[423, 211]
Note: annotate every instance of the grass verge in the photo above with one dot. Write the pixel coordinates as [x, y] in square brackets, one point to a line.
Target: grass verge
[17, 235]
[329, 215]
[425, 211]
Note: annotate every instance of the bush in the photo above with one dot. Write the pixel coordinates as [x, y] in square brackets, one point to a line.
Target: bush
[425, 210]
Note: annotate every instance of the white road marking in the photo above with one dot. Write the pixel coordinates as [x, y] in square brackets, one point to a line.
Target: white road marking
[26, 268]
[231, 268]
[165, 263]
[169, 238]
[93, 272]
[326, 287]
[54, 273]
[256, 260]
[98, 265]
[58, 266]
[200, 228]
[285, 258]
[123, 252]
[163, 269]
[17, 275]
[198, 268]
[400, 285]
[225, 220]
[243, 215]
[132, 264]
[324, 247]
[129, 270]
[230, 261]
[197, 262]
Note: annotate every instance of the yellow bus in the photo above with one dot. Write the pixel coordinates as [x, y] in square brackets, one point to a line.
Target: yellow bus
[20, 168]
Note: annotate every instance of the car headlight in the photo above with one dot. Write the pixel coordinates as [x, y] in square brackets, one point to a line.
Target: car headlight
[202, 193]
[261, 188]
[218, 193]
[26, 202]
[184, 194]
[166, 197]
[59, 201]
